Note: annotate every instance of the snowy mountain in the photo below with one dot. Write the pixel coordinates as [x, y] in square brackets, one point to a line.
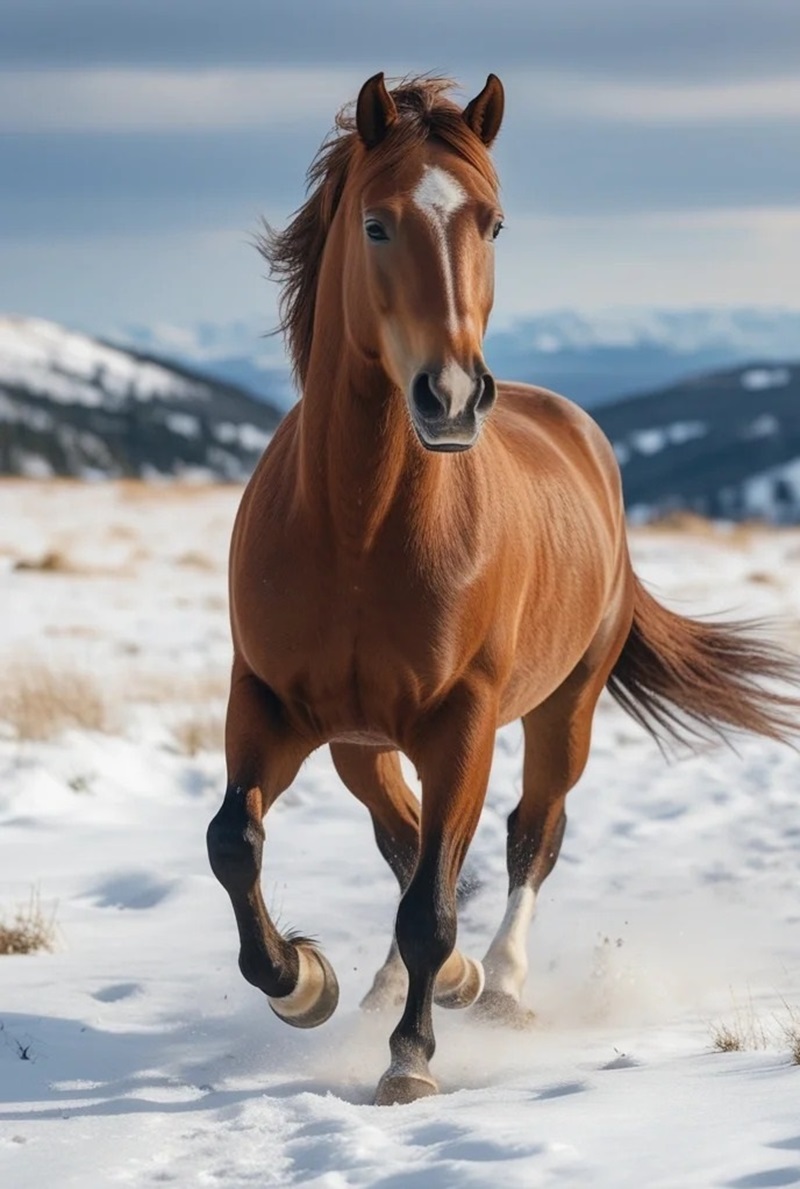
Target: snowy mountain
[595, 358]
[724, 444]
[72, 405]
[592, 358]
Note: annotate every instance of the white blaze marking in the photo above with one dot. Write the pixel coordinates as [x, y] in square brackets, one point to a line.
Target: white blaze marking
[438, 195]
[506, 960]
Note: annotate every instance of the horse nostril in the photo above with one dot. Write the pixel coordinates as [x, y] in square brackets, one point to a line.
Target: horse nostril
[487, 394]
[426, 402]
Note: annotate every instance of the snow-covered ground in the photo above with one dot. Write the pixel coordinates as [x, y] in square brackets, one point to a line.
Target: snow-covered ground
[135, 1054]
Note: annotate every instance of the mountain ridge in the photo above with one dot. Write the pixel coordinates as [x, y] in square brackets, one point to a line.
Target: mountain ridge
[71, 404]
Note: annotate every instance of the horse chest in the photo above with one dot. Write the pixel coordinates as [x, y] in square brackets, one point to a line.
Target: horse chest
[332, 642]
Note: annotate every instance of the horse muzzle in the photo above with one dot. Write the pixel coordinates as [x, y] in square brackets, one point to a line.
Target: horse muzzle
[448, 407]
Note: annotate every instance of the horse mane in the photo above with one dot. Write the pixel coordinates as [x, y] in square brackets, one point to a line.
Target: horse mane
[294, 255]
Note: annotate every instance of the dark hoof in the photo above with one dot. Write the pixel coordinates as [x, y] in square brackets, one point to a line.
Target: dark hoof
[498, 1007]
[396, 1089]
[461, 990]
[314, 999]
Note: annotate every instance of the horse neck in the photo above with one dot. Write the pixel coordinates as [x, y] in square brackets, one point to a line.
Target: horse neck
[359, 459]
[356, 449]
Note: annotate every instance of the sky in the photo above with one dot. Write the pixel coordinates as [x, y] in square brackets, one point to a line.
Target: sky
[650, 153]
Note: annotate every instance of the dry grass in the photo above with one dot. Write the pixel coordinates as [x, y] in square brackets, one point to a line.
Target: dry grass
[192, 559]
[56, 561]
[791, 1031]
[29, 930]
[200, 733]
[39, 702]
[762, 578]
[51, 562]
[141, 491]
[161, 687]
[745, 1032]
[737, 535]
[726, 1039]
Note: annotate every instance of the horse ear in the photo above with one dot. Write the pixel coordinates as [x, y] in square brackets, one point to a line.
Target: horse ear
[485, 113]
[375, 111]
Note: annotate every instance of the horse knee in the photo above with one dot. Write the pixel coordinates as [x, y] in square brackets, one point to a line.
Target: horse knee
[235, 841]
[426, 925]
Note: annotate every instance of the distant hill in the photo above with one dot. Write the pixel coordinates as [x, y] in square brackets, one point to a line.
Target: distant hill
[73, 405]
[590, 357]
[724, 444]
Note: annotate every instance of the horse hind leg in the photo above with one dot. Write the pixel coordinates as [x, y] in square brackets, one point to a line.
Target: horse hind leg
[557, 738]
[375, 778]
[263, 757]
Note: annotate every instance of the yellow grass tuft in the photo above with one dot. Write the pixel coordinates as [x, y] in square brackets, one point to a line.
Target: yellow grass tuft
[791, 1031]
[29, 930]
[745, 1032]
[51, 562]
[193, 559]
[39, 702]
[203, 732]
[726, 1039]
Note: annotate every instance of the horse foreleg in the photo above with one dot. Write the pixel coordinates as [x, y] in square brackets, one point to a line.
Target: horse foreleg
[453, 756]
[263, 757]
[375, 777]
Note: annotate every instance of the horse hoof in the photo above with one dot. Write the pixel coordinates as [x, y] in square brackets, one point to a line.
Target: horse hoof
[462, 991]
[498, 1007]
[314, 999]
[396, 1089]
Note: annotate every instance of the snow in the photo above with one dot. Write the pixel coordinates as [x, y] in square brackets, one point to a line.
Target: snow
[760, 493]
[73, 368]
[763, 427]
[741, 332]
[184, 424]
[149, 1060]
[249, 437]
[757, 379]
[652, 441]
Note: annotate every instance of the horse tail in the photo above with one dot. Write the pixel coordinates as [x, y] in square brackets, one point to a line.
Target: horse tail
[686, 680]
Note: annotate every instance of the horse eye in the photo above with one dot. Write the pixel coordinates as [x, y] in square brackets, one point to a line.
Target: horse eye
[375, 231]
[498, 227]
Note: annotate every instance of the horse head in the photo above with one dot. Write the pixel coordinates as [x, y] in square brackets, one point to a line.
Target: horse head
[422, 214]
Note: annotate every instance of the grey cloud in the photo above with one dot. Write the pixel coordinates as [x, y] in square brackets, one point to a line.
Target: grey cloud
[585, 169]
[99, 183]
[645, 39]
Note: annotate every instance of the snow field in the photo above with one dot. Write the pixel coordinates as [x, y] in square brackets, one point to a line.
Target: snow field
[147, 1058]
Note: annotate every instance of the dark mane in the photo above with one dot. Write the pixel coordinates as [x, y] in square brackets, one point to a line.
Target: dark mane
[294, 254]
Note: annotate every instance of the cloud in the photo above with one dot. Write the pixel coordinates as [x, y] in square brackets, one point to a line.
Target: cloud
[724, 257]
[130, 100]
[649, 145]
[150, 100]
[642, 103]
[657, 39]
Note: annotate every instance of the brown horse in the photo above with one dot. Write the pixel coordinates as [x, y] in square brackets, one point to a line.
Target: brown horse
[423, 555]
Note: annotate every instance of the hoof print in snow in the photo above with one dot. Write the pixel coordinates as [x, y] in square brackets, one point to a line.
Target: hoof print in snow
[130, 889]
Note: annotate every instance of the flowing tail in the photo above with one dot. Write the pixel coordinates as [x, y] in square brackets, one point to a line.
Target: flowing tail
[686, 680]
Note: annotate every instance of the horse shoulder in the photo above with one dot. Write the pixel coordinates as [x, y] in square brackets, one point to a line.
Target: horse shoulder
[530, 414]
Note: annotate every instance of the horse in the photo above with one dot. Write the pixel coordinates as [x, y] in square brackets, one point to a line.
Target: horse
[424, 554]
